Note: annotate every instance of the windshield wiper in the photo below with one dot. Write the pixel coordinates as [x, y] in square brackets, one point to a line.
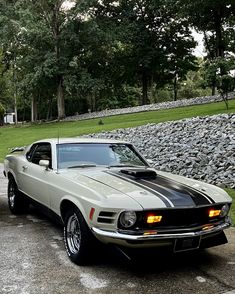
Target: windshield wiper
[123, 165]
[82, 166]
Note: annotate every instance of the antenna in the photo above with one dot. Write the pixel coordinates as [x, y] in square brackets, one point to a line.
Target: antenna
[57, 151]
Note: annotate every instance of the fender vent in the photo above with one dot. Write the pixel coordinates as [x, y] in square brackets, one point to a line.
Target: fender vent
[140, 173]
[106, 217]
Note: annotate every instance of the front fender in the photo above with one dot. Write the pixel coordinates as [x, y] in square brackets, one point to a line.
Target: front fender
[76, 202]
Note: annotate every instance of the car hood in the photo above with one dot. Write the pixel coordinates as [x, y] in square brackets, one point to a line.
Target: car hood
[164, 190]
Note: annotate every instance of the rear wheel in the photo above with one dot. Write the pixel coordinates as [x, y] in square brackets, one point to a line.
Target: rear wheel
[17, 202]
[79, 241]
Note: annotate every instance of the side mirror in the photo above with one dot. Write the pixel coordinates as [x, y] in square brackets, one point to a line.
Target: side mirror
[44, 163]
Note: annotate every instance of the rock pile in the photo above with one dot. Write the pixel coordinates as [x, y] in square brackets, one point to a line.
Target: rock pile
[149, 107]
[202, 147]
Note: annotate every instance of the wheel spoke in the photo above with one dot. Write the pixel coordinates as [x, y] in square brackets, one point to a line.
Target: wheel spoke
[73, 234]
[11, 196]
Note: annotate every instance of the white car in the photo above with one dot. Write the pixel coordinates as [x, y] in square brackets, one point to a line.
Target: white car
[105, 190]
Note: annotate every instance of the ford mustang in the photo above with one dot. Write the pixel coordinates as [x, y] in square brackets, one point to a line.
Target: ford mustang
[105, 191]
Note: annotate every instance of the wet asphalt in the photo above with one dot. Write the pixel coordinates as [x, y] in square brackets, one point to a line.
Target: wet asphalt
[33, 261]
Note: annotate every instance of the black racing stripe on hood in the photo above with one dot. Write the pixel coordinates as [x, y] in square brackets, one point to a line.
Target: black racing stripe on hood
[191, 190]
[169, 191]
[141, 185]
[179, 194]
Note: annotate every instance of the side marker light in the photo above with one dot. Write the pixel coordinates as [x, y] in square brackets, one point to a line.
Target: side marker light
[92, 211]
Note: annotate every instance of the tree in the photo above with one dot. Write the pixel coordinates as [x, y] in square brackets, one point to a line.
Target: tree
[43, 49]
[2, 111]
[148, 33]
[215, 19]
[10, 36]
[46, 24]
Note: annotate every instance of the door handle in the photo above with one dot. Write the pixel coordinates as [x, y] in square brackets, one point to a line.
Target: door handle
[24, 167]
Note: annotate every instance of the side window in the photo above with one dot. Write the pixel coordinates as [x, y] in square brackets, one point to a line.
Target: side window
[38, 152]
[29, 154]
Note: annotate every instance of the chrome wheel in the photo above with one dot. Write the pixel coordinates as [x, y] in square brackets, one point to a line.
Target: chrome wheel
[73, 234]
[12, 195]
[16, 200]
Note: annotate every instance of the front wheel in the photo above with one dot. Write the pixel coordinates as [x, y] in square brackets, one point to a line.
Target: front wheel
[79, 241]
[17, 203]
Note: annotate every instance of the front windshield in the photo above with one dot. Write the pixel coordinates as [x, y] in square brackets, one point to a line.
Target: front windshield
[92, 154]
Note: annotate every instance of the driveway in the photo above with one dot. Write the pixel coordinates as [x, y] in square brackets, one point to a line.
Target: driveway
[33, 261]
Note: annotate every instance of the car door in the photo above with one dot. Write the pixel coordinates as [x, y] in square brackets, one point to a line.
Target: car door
[33, 178]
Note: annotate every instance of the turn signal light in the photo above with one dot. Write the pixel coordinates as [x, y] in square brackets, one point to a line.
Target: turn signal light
[151, 219]
[213, 213]
[92, 211]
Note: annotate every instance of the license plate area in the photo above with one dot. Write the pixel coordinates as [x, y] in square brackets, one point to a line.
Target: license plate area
[185, 244]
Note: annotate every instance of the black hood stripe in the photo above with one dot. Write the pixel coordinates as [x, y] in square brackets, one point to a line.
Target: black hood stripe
[178, 193]
[171, 192]
[189, 189]
[164, 199]
[178, 197]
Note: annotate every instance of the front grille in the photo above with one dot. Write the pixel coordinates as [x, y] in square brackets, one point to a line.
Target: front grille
[106, 217]
[175, 218]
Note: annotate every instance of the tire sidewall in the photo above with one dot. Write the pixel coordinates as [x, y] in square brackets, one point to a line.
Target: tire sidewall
[21, 204]
[83, 256]
[12, 184]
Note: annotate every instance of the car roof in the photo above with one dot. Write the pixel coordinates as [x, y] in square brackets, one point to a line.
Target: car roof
[81, 140]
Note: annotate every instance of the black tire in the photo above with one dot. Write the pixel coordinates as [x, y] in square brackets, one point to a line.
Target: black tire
[78, 239]
[17, 202]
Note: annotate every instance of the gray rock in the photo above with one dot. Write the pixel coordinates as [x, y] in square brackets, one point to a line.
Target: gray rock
[201, 147]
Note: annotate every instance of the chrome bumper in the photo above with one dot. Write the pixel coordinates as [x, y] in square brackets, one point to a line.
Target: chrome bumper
[155, 236]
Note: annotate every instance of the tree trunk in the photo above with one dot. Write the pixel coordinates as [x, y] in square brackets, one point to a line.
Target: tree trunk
[15, 108]
[225, 98]
[49, 114]
[219, 34]
[60, 99]
[56, 33]
[213, 90]
[34, 109]
[144, 88]
[175, 86]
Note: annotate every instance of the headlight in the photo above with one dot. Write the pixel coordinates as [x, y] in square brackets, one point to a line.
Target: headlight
[128, 219]
[224, 210]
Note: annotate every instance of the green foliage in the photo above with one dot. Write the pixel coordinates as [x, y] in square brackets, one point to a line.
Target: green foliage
[104, 54]
[231, 192]
[26, 134]
[2, 111]
[100, 122]
[194, 84]
[215, 19]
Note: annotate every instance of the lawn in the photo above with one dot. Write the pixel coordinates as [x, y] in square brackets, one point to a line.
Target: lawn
[231, 192]
[25, 134]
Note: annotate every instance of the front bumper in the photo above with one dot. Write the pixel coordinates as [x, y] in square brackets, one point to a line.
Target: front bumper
[153, 238]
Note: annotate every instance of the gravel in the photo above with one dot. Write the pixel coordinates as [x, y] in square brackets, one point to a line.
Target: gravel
[150, 107]
[202, 147]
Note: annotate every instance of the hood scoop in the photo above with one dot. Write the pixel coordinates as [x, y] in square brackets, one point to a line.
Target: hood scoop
[139, 173]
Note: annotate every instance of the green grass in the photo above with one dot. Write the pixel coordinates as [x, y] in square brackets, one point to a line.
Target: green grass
[26, 134]
[231, 192]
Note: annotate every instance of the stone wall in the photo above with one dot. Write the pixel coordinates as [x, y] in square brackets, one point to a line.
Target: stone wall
[150, 107]
[202, 147]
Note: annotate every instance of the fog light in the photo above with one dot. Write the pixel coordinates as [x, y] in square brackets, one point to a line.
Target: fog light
[214, 213]
[151, 219]
[128, 219]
